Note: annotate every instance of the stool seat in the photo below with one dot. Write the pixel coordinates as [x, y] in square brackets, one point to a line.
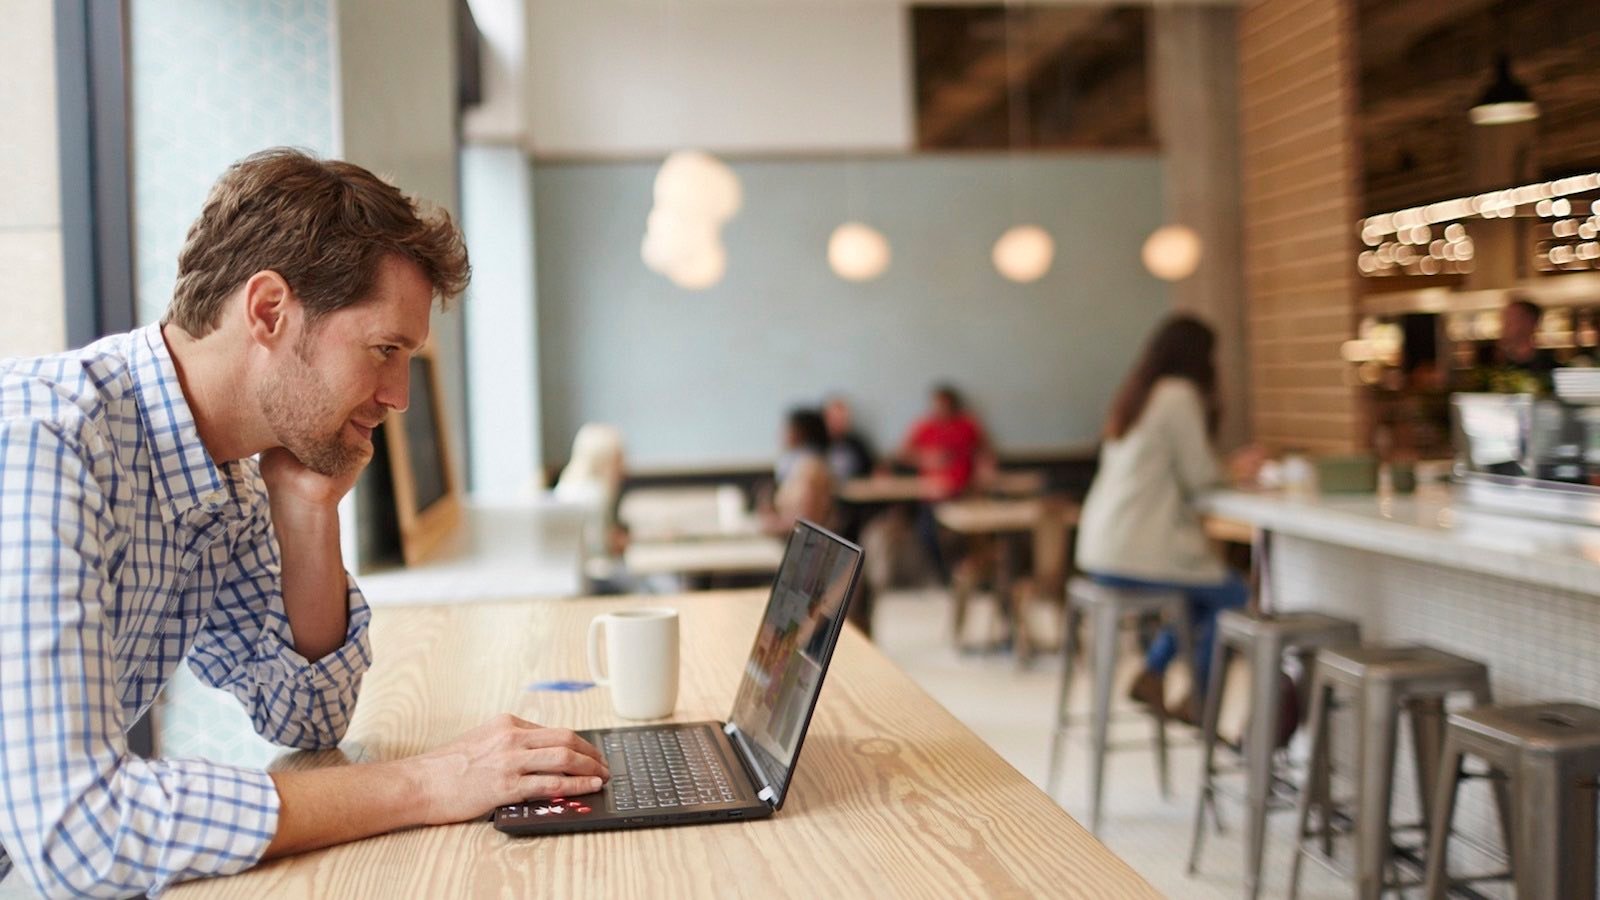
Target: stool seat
[1086, 593]
[1292, 626]
[1365, 663]
[1535, 728]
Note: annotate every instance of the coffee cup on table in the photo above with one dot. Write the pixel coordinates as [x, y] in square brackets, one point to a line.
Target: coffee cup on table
[640, 650]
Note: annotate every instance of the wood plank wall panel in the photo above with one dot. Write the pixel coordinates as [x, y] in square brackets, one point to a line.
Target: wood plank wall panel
[1300, 178]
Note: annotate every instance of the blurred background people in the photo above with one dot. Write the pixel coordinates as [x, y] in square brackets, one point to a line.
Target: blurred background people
[849, 454]
[592, 479]
[804, 484]
[946, 446]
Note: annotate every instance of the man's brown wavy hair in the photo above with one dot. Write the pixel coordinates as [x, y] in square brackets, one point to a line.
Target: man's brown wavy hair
[323, 225]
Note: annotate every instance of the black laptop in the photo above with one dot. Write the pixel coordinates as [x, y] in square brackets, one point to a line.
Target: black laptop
[686, 773]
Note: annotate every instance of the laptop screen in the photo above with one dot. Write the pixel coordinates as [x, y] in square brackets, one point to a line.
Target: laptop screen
[784, 672]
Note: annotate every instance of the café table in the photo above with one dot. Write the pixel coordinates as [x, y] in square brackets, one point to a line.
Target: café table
[892, 797]
[706, 560]
[887, 489]
[1004, 522]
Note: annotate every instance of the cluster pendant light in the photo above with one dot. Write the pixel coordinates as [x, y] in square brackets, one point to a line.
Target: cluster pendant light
[695, 195]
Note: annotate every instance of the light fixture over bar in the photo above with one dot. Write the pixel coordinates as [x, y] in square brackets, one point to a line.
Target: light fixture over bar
[1493, 204]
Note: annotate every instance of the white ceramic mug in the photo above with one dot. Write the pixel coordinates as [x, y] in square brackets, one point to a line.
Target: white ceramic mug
[641, 652]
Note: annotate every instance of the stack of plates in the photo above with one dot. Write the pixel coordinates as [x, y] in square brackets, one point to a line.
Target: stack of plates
[1578, 385]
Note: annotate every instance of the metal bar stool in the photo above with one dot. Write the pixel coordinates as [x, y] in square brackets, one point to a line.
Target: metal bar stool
[1106, 608]
[1550, 755]
[1262, 639]
[1384, 680]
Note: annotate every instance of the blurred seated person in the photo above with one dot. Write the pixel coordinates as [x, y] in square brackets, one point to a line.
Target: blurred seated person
[804, 483]
[1139, 527]
[1516, 363]
[592, 478]
[849, 454]
[947, 446]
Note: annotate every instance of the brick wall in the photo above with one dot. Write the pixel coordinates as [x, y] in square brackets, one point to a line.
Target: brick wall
[1300, 182]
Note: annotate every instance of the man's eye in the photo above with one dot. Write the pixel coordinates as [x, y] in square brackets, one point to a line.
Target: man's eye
[388, 350]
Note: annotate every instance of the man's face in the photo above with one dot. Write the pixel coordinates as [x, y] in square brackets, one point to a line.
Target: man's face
[837, 416]
[329, 388]
[1516, 326]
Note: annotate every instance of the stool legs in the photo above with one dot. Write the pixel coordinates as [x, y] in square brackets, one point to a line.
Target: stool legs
[1378, 721]
[1208, 742]
[1069, 646]
[1436, 882]
[1265, 702]
[1559, 865]
[1316, 792]
[1106, 625]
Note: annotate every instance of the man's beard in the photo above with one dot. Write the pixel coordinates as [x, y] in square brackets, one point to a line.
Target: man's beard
[294, 400]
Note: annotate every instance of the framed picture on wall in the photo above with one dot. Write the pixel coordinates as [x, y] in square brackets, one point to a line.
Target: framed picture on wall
[426, 497]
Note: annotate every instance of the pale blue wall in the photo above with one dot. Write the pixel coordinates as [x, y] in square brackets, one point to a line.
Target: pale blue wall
[212, 82]
[705, 377]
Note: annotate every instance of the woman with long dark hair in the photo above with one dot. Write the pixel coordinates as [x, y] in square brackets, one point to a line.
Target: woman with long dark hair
[1140, 528]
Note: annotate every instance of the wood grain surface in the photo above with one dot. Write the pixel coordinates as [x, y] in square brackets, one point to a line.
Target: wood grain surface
[893, 797]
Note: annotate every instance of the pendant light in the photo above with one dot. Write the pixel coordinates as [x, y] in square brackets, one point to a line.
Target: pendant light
[1506, 100]
[1024, 253]
[1172, 252]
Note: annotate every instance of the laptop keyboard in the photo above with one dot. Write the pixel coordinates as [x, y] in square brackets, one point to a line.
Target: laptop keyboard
[665, 769]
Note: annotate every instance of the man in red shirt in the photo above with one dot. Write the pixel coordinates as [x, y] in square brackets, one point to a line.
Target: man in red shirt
[945, 446]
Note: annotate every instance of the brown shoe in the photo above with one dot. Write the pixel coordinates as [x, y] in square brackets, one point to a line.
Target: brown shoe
[1184, 711]
[1149, 689]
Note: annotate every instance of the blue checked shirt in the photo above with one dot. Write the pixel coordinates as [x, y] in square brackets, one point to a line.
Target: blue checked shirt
[124, 549]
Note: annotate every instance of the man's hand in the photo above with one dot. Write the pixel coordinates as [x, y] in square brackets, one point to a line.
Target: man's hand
[507, 760]
[305, 517]
[289, 481]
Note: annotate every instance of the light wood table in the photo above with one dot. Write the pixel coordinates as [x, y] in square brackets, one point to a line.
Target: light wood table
[753, 555]
[1228, 531]
[893, 797]
[686, 514]
[1005, 521]
[876, 489]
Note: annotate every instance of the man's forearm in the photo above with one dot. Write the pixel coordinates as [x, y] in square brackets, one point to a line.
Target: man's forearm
[323, 807]
[315, 593]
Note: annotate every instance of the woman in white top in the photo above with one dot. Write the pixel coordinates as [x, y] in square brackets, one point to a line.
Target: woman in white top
[1139, 527]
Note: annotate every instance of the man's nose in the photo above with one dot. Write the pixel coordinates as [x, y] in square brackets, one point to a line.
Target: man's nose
[395, 390]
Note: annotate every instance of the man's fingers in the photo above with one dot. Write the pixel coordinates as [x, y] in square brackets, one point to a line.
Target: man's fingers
[562, 760]
[560, 737]
[535, 787]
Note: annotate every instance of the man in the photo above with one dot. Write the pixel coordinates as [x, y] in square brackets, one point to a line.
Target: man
[137, 530]
[849, 454]
[1516, 359]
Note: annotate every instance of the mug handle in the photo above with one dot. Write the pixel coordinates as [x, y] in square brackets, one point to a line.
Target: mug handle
[594, 651]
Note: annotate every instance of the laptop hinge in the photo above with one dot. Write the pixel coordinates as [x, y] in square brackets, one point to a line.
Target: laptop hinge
[752, 767]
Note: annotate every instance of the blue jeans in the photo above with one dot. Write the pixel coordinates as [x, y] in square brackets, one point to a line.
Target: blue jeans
[1205, 601]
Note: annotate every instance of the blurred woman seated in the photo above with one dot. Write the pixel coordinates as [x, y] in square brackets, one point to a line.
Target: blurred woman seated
[804, 483]
[592, 479]
[1139, 527]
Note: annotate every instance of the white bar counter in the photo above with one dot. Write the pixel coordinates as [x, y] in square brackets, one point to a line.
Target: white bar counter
[1429, 527]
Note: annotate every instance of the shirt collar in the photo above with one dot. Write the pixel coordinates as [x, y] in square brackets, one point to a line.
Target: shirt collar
[185, 476]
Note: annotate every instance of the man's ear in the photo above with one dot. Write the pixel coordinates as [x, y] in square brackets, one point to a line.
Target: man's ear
[268, 307]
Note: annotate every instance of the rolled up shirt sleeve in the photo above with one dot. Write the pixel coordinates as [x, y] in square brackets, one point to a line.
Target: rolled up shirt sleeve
[248, 650]
[79, 815]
